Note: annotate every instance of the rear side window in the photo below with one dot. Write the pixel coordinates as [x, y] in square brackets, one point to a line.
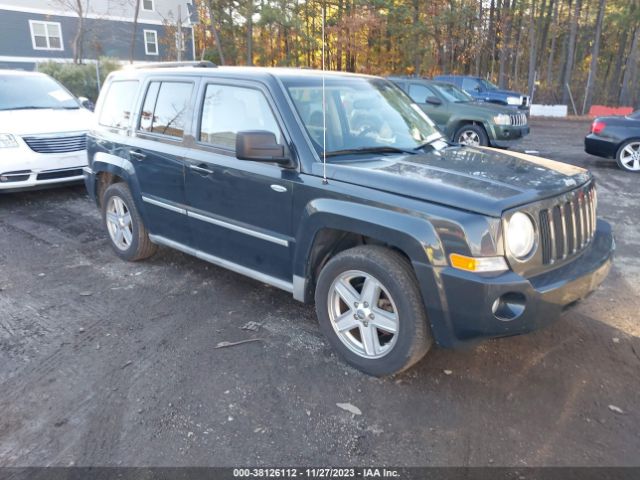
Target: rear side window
[228, 110]
[165, 108]
[118, 104]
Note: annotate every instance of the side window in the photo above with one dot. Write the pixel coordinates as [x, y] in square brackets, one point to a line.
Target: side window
[228, 110]
[118, 104]
[419, 93]
[165, 108]
[470, 85]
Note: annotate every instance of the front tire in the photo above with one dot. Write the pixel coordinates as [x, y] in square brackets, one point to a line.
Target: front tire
[471, 135]
[370, 309]
[628, 156]
[127, 234]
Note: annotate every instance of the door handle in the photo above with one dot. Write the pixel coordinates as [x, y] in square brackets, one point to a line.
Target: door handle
[201, 169]
[137, 154]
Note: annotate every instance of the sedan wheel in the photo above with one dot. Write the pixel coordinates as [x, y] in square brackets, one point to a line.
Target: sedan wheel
[119, 223]
[629, 156]
[363, 314]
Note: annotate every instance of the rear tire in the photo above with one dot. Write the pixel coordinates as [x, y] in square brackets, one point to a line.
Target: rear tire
[471, 135]
[128, 236]
[370, 309]
[628, 156]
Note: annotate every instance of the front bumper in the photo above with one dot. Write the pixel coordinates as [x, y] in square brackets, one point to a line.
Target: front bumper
[23, 170]
[466, 312]
[503, 136]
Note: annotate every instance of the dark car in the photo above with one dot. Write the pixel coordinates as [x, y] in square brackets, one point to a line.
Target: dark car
[616, 137]
[462, 119]
[400, 238]
[485, 91]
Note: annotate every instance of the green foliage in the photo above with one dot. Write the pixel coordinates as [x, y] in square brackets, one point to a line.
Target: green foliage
[81, 80]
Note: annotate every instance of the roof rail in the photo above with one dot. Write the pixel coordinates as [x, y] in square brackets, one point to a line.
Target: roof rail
[199, 64]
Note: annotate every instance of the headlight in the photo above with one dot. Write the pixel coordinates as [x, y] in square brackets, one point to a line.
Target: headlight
[502, 119]
[8, 141]
[514, 100]
[520, 235]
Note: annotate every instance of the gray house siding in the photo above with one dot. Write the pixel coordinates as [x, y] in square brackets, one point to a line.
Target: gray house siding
[103, 37]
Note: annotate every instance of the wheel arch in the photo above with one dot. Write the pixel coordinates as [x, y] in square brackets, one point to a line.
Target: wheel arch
[109, 169]
[458, 123]
[330, 226]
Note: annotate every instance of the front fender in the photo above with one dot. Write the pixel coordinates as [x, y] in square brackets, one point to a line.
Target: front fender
[415, 236]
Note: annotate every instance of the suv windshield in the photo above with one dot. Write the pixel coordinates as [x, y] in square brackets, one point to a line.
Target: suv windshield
[452, 93]
[488, 85]
[362, 115]
[23, 92]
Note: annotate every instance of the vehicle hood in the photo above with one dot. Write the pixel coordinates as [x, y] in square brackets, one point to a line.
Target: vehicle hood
[45, 121]
[482, 180]
[481, 109]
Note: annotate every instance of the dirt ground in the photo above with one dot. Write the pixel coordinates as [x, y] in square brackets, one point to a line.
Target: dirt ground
[104, 362]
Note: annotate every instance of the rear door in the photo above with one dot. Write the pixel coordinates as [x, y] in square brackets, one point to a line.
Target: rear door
[239, 210]
[158, 154]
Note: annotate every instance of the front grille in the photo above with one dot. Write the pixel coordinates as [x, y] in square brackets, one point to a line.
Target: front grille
[58, 144]
[567, 227]
[54, 174]
[518, 119]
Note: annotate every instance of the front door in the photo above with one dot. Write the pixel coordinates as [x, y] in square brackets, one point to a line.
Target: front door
[438, 113]
[157, 153]
[239, 210]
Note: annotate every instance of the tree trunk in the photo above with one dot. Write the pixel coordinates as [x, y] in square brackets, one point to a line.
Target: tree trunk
[249, 32]
[630, 70]
[568, 67]
[593, 69]
[552, 49]
[532, 49]
[504, 45]
[78, 39]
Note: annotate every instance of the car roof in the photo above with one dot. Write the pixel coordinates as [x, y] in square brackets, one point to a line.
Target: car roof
[254, 73]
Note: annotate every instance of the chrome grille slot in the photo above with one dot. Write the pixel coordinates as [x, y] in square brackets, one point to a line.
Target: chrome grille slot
[567, 227]
[57, 144]
[518, 119]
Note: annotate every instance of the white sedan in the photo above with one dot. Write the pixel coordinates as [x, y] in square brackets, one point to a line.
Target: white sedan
[42, 132]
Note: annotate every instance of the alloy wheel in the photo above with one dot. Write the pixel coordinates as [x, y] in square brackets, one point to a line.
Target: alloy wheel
[469, 137]
[119, 223]
[363, 314]
[630, 156]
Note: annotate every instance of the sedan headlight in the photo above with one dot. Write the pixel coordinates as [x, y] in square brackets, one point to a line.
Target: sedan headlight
[520, 235]
[502, 119]
[8, 141]
[514, 100]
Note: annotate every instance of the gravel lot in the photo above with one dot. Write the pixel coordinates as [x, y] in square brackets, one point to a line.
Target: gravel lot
[104, 362]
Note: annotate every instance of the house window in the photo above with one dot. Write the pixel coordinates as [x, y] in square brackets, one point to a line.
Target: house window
[147, 5]
[151, 42]
[46, 35]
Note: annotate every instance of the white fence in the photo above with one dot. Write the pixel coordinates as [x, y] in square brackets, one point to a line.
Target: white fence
[548, 110]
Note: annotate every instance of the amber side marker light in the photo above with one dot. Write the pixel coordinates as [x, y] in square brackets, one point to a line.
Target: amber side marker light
[478, 264]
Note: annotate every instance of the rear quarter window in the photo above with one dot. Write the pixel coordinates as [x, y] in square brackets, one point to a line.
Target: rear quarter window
[118, 104]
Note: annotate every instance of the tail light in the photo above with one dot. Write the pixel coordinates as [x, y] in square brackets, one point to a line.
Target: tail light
[597, 127]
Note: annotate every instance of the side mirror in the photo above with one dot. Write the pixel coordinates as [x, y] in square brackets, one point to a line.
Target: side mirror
[86, 103]
[432, 100]
[260, 146]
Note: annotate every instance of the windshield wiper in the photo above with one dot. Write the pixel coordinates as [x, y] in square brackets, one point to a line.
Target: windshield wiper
[431, 142]
[364, 150]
